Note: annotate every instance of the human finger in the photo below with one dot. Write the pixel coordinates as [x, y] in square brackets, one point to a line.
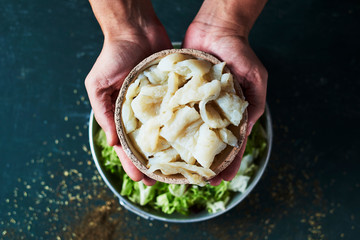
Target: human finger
[215, 181]
[101, 101]
[229, 173]
[127, 165]
[254, 85]
[148, 181]
[256, 96]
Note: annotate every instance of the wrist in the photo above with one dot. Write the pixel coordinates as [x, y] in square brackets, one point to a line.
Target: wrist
[119, 18]
[236, 16]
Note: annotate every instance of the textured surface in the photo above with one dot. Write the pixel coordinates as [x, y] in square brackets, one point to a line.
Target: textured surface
[50, 187]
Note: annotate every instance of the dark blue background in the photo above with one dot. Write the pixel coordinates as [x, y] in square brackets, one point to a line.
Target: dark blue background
[49, 186]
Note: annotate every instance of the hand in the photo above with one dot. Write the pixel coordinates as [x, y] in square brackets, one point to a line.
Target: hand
[225, 42]
[118, 56]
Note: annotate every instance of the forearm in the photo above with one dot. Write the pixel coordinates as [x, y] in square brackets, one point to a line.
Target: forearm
[236, 15]
[121, 17]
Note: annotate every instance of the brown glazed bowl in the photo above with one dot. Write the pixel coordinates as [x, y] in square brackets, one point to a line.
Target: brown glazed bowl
[221, 161]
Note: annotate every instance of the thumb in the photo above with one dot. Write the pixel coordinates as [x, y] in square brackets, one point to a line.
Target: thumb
[102, 104]
[106, 122]
[229, 173]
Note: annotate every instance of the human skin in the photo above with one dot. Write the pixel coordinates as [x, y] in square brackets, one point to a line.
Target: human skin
[132, 32]
[222, 30]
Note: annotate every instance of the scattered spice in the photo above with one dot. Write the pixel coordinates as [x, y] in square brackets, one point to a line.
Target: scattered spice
[95, 225]
[69, 200]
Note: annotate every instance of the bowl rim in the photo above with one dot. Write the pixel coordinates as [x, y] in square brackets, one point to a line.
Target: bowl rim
[150, 216]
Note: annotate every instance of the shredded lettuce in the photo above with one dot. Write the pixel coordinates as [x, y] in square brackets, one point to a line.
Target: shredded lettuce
[218, 206]
[184, 199]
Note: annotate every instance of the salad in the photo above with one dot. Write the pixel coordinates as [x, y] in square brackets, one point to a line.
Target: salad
[170, 198]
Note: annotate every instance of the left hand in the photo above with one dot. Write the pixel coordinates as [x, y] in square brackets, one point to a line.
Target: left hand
[118, 56]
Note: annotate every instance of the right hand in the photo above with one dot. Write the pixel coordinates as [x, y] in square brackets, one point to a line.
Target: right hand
[223, 31]
[118, 56]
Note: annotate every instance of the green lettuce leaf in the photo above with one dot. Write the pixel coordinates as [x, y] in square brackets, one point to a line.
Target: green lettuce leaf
[170, 198]
[142, 194]
[108, 154]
